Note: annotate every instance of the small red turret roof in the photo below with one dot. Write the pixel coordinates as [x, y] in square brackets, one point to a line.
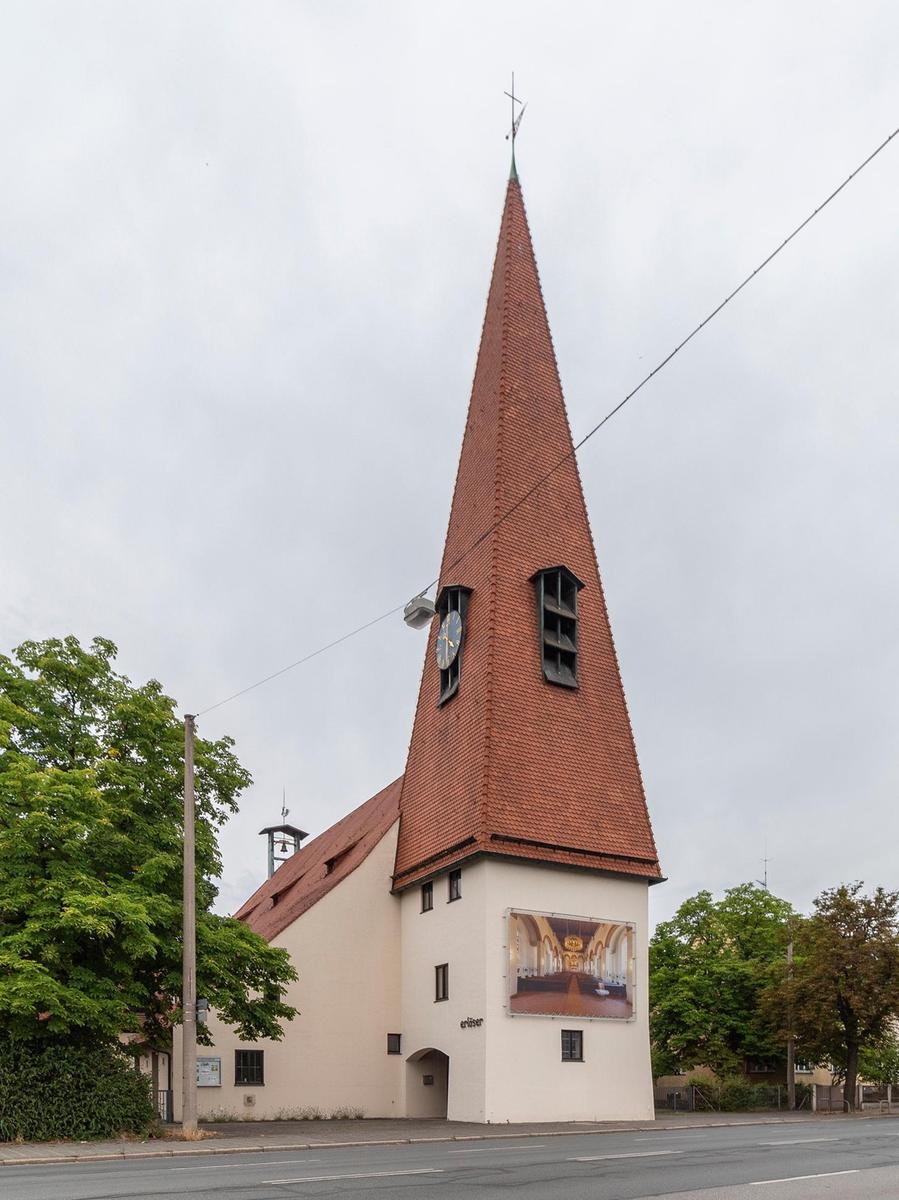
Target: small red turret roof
[512, 765]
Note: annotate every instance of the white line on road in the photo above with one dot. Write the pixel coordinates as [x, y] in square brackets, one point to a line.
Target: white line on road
[634, 1154]
[796, 1178]
[359, 1175]
[799, 1141]
[280, 1162]
[485, 1149]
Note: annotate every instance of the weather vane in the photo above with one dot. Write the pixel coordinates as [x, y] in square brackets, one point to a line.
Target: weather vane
[516, 119]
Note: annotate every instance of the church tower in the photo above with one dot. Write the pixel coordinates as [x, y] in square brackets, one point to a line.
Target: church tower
[525, 848]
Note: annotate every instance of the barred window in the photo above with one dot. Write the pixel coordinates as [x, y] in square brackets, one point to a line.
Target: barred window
[557, 590]
[248, 1067]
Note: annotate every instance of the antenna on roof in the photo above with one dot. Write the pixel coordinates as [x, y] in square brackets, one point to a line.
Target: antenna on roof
[764, 882]
[516, 121]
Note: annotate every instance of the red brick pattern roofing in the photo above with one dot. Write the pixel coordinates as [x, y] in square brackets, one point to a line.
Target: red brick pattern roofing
[319, 866]
[514, 765]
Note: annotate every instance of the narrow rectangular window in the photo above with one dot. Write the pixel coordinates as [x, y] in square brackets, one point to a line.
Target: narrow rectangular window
[572, 1045]
[455, 885]
[249, 1068]
[427, 897]
[394, 1041]
[441, 982]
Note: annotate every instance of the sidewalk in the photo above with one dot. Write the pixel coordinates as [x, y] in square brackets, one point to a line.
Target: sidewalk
[265, 1136]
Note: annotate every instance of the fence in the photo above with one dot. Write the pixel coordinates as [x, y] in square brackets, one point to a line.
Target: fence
[733, 1096]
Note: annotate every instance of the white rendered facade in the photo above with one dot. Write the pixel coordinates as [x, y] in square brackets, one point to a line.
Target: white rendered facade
[366, 960]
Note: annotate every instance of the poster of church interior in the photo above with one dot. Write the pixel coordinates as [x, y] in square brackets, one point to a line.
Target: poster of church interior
[570, 966]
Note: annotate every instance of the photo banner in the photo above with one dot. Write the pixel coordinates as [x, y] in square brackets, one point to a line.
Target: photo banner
[564, 966]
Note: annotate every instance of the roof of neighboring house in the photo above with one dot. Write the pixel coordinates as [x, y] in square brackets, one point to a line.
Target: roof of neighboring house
[513, 765]
[315, 869]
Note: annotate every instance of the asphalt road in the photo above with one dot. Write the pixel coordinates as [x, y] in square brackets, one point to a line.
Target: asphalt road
[846, 1160]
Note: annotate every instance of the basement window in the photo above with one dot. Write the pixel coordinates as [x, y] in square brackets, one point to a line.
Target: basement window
[572, 1045]
[248, 1067]
[557, 590]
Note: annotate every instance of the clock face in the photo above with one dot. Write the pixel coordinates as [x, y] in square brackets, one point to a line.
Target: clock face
[449, 639]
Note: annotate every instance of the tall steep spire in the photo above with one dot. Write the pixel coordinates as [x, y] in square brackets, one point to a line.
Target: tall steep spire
[513, 764]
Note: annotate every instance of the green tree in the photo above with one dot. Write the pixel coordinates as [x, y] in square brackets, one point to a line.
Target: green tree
[879, 1063]
[708, 967]
[845, 988]
[91, 771]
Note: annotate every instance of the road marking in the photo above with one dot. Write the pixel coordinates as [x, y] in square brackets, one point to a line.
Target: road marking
[634, 1154]
[796, 1178]
[359, 1175]
[799, 1141]
[485, 1149]
[280, 1162]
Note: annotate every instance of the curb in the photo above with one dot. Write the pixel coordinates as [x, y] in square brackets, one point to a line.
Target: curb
[649, 1127]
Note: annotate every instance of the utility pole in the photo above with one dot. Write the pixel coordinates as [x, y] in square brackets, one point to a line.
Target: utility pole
[791, 1063]
[189, 945]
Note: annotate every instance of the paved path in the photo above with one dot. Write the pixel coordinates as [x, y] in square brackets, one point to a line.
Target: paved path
[811, 1159]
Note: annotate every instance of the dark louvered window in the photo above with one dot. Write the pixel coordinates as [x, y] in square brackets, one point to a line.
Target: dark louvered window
[557, 590]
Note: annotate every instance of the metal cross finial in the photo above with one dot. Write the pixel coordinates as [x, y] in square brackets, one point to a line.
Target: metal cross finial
[516, 120]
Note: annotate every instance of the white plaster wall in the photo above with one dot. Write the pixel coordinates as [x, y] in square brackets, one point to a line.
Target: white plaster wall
[526, 1079]
[510, 1068]
[346, 950]
[453, 933]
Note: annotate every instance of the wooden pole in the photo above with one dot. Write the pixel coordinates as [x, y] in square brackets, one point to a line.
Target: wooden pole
[189, 945]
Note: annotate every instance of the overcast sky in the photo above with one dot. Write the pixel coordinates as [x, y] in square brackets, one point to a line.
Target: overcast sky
[244, 256]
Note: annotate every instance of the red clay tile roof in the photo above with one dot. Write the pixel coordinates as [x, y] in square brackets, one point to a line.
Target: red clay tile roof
[514, 765]
[319, 866]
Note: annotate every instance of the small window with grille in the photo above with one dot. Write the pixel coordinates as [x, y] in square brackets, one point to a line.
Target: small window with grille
[557, 590]
[452, 614]
[248, 1067]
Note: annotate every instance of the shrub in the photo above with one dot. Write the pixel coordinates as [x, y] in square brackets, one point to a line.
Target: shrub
[52, 1091]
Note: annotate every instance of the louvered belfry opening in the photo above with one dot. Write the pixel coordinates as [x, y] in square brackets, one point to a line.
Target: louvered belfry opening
[557, 590]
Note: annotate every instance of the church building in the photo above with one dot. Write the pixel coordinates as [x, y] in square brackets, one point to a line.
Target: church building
[471, 942]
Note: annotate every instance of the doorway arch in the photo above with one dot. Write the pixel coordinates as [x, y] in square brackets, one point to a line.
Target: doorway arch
[427, 1083]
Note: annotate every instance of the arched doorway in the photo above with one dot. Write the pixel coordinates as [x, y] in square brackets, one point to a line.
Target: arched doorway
[427, 1083]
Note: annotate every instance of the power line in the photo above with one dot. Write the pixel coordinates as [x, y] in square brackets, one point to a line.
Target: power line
[577, 445]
